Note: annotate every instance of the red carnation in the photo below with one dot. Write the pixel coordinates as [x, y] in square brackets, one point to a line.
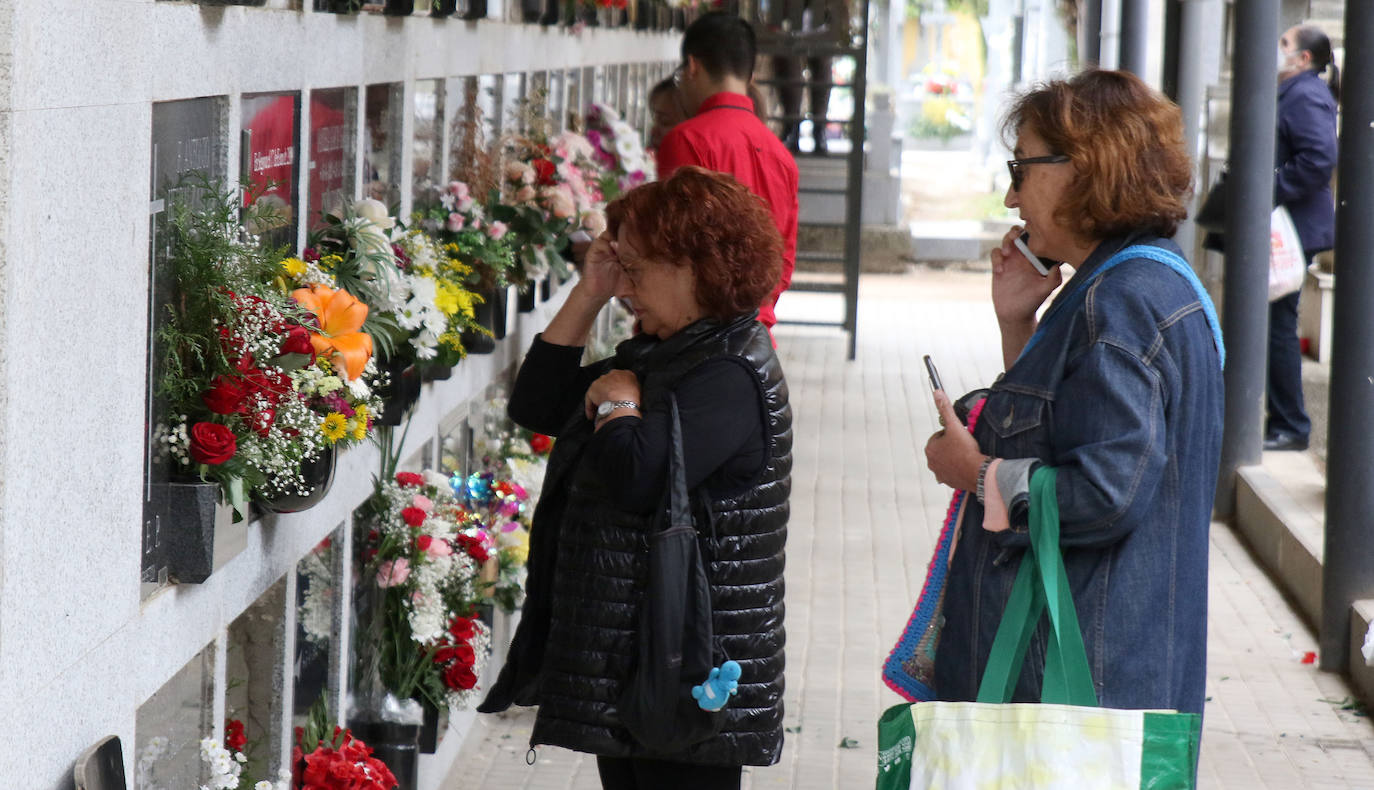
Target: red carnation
[413, 516]
[212, 443]
[409, 479]
[298, 342]
[226, 396]
[540, 443]
[422, 542]
[543, 171]
[234, 739]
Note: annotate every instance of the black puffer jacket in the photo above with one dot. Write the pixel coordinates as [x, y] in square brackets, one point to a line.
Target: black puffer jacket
[577, 635]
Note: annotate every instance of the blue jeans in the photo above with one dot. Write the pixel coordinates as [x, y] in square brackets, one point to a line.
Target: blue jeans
[1285, 405]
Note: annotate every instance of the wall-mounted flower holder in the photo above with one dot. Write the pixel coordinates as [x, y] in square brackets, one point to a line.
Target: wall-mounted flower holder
[339, 6]
[525, 297]
[443, 8]
[318, 474]
[400, 393]
[196, 519]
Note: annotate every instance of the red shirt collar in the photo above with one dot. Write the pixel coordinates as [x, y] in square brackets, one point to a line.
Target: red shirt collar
[727, 99]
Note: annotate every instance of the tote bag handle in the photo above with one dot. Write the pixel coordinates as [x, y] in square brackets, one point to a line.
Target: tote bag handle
[1041, 584]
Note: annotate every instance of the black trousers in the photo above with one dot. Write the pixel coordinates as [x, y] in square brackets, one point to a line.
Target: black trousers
[1285, 403]
[632, 773]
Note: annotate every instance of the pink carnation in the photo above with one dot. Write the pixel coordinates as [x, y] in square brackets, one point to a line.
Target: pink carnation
[455, 222]
[496, 230]
[459, 190]
[393, 572]
[439, 548]
[423, 502]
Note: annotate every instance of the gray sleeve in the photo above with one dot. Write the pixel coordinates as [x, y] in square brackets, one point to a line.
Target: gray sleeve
[1013, 482]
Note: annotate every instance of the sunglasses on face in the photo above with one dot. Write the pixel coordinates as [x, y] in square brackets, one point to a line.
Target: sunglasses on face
[1014, 166]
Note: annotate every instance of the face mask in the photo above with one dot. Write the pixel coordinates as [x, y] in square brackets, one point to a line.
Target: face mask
[1283, 59]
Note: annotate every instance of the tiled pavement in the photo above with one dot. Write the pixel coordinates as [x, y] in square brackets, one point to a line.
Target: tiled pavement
[864, 516]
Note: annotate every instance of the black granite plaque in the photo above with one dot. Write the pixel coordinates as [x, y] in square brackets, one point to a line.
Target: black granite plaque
[382, 156]
[188, 151]
[269, 167]
[333, 141]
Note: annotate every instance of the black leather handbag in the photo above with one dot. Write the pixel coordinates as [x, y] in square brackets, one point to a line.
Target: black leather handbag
[676, 643]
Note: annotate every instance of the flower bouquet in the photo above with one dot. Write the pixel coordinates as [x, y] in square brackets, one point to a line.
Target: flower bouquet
[441, 270]
[618, 150]
[232, 345]
[421, 557]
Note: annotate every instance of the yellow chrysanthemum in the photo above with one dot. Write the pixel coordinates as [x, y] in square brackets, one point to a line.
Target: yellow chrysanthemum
[334, 427]
[294, 267]
[330, 262]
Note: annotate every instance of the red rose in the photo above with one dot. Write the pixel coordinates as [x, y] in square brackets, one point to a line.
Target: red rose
[444, 655]
[413, 516]
[540, 443]
[212, 443]
[407, 479]
[422, 542]
[262, 421]
[474, 548]
[543, 171]
[460, 677]
[298, 342]
[226, 396]
[465, 655]
[461, 628]
[234, 739]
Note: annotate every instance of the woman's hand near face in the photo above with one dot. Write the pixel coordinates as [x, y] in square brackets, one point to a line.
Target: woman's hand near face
[601, 269]
[616, 385]
[952, 453]
[1018, 290]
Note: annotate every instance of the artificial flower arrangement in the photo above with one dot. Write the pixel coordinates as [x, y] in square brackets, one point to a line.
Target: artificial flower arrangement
[500, 508]
[420, 565]
[442, 269]
[234, 348]
[617, 147]
[460, 224]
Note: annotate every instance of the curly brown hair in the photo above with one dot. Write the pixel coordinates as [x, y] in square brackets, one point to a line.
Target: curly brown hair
[1125, 141]
[714, 224]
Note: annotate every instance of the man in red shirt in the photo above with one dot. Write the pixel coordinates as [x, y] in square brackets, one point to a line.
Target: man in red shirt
[724, 135]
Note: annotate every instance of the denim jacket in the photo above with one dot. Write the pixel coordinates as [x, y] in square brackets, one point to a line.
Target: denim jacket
[1124, 395]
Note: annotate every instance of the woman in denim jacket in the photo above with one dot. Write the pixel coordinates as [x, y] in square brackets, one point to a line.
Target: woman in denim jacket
[1118, 385]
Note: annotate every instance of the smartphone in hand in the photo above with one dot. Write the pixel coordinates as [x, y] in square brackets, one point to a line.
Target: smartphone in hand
[1042, 265]
[934, 374]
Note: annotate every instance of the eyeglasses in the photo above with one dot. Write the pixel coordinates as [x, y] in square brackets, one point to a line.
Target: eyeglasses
[1014, 166]
[677, 74]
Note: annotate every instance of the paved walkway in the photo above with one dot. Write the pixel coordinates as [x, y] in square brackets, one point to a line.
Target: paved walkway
[865, 513]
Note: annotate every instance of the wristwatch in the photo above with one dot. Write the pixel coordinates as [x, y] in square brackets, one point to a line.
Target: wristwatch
[607, 406]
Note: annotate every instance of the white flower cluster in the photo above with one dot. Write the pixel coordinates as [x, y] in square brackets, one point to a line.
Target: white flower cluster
[481, 647]
[148, 758]
[315, 274]
[311, 381]
[176, 439]
[316, 613]
[224, 767]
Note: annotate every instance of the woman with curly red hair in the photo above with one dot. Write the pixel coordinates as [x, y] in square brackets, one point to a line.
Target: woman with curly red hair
[693, 257]
[1118, 385]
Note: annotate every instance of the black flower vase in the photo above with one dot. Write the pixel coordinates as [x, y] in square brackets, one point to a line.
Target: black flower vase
[400, 393]
[397, 745]
[532, 11]
[545, 288]
[399, 7]
[644, 14]
[338, 6]
[444, 8]
[319, 476]
[475, 9]
[479, 342]
[192, 509]
[436, 722]
[435, 371]
[525, 297]
[679, 19]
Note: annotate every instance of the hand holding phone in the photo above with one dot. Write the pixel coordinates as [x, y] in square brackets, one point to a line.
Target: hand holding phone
[935, 383]
[1042, 265]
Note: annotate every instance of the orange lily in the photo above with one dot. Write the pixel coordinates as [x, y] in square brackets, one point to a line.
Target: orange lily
[341, 316]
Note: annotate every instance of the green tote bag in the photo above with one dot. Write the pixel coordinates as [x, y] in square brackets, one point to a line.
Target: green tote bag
[1066, 741]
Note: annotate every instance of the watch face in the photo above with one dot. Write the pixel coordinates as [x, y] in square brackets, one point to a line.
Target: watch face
[605, 408]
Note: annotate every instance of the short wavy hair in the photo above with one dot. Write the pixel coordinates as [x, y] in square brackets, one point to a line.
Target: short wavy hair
[714, 224]
[1125, 142]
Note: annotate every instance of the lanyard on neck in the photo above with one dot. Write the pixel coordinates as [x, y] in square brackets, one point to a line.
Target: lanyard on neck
[1070, 303]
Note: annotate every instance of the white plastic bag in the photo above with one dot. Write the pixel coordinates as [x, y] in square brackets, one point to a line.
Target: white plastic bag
[1287, 265]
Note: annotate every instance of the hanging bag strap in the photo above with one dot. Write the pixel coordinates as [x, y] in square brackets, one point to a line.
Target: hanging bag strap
[679, 505]
[1041, 585]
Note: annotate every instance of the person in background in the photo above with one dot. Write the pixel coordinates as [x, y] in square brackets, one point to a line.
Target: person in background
[696, 298]
[666, 110]
[1304, 159]
[1118, 385]
[724, 134]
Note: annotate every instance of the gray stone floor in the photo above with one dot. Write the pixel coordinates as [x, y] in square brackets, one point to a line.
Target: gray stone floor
[864, 515]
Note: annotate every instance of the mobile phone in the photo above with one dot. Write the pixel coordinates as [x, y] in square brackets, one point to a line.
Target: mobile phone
[1042, 265]
[934, 374]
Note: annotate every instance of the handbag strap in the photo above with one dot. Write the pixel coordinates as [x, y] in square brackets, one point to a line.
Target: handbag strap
[679, 506]
[1041, 585]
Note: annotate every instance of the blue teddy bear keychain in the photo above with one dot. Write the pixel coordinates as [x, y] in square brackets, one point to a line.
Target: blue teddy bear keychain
[720, 684]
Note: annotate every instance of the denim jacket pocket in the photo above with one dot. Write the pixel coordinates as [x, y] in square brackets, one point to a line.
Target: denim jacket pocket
[1019, 423]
